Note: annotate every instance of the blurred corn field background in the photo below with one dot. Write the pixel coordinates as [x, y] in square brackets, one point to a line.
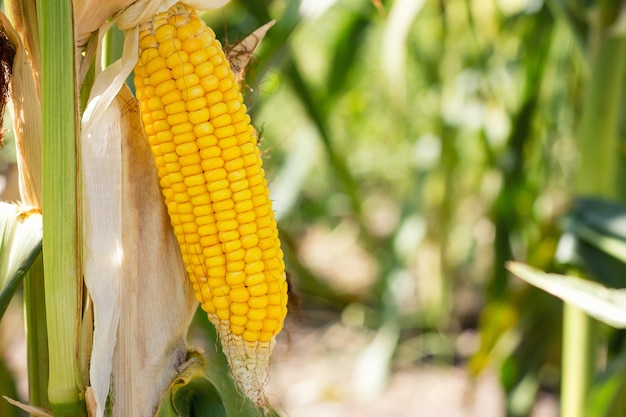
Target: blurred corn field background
[413, 148]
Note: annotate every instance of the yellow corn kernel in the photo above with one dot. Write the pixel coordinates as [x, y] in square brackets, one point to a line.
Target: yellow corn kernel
[169, 47]
[235, 266]
[258, 290]
[202, 69]
[218, 109]
[236, 278]
[236, 329]
[182, 133]
[250, 336]
[239, 320]
[254, 279]
[239, 309]
[259, 303]
[223, 314]
[235, 254]
[250, 241]
[182, 70]
[225, 207]
[253, 255]
[198, 57]
[210, 83]
[254, 325]
[157, 63]
[177, 59]
[239, 295]
[164, 33]
[273, 311]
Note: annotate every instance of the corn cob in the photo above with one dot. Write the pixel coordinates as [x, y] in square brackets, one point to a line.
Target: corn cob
[211, 175]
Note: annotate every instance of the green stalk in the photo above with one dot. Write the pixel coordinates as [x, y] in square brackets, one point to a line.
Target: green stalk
[578, 360]
[61, 267]
[599, 152]
[36, 335]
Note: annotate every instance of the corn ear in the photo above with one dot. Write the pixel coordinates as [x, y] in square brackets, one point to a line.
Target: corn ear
[211, 176]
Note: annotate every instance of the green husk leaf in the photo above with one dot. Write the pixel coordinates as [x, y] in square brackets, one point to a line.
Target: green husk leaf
[602, 303]
[192, 394]
[20, 245]
[219, 372]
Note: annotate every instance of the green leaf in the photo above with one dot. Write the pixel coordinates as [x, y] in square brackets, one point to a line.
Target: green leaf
[20, 245]
[605, 217]
[602, 303]
[349, 43]
[595, 239]
[192, 394]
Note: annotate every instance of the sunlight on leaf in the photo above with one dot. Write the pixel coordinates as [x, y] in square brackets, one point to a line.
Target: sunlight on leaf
[604, 304]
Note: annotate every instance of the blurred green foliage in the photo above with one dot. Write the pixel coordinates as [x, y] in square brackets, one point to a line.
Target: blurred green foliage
[414, 147]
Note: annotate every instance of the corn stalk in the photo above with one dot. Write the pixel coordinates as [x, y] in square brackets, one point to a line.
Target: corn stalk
[60, 187]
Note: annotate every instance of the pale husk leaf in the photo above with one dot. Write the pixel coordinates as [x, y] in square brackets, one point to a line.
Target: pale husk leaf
[102, 242]
[142, 301]
[157, 302]
[34, 411]
[91, 15]
[241, 54]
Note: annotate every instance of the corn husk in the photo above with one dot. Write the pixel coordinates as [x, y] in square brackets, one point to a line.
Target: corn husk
[23, 14]
[25, 108]
[240, 55]
[103, 249]
[91, 15]
[21, 224]
[155, 313]
[142, 301]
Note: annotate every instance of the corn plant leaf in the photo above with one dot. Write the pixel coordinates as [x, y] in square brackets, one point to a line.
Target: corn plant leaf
[20, 245]
[595, 240]
[349, 44]
[606, 217]
[192, 394]
[395, 45]
[601, 223]
[602, 303]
